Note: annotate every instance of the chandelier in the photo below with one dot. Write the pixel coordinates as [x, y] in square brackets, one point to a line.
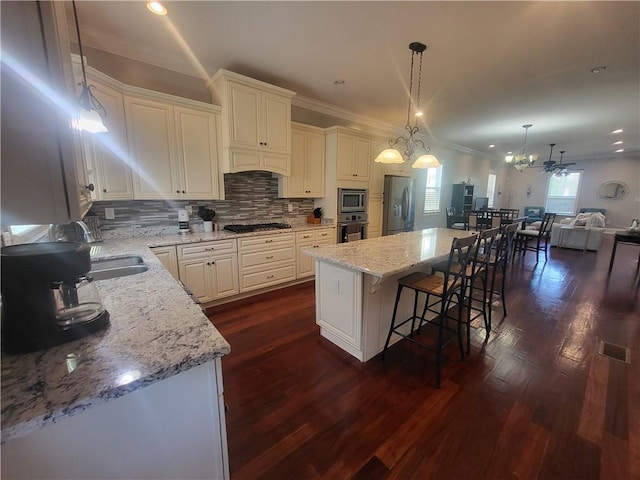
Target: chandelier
[411, 144]
[522, 161]
[91, 111]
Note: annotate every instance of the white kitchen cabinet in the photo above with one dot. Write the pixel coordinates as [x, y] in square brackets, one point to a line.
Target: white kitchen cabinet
[209, 269]
[354, 157]
[311, 238]
[174, 428]
[374, 229]
[151, 133]
[266, 260]
[307, 164]
[44, 179]
[108, 152]
[197, 149]
[169, 258]
[174, 149]
[256, 123]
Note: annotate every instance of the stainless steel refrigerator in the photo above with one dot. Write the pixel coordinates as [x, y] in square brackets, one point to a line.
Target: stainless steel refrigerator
[399, 205]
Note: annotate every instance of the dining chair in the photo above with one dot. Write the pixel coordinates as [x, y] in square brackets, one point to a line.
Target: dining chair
[540, 237]
[443, 286]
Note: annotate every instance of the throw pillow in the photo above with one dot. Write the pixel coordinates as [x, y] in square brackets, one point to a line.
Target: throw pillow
[534, 212]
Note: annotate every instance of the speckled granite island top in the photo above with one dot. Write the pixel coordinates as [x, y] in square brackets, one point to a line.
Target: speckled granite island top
[156, 331]
[385, 256]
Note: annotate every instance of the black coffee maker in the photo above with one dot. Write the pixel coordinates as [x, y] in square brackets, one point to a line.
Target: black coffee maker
[47, 297]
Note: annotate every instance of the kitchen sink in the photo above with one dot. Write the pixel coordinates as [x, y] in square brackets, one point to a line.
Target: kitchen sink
[117, 267]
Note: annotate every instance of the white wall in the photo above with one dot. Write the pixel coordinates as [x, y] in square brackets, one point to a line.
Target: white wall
[595, 172]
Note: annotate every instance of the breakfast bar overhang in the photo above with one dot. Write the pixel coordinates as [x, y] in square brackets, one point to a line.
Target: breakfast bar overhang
[356, 285]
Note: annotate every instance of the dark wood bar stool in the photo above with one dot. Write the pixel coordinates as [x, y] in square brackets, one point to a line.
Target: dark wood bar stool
[443, 286]
[499, 264]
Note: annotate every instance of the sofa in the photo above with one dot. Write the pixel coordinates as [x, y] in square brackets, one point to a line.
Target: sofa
[584, 232]
[534, 214]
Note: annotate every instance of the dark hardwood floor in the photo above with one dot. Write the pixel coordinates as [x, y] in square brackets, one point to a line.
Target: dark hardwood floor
[534, 401]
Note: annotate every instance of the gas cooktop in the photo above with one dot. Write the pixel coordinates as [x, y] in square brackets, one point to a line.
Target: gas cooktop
[256, 227]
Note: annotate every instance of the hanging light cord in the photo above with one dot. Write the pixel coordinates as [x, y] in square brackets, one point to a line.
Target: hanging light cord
[87, 100]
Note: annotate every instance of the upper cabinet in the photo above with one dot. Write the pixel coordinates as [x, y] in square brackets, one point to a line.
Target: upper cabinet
[44, 179]
[307, 164]
[353, 157]
[173, 148]
[256, 123]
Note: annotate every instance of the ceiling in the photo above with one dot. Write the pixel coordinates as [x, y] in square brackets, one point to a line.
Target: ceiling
[490, 67]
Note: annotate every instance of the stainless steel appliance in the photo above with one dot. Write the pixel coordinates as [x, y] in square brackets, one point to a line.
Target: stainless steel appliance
[399, 205]
[352, 200]
[352, 214]
[47, 297]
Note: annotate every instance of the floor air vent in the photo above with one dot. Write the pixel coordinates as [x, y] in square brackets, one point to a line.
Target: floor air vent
[616, 352]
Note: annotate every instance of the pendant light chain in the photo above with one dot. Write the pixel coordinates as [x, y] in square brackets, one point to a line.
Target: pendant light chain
[75, 15]
[419, 84]
[410, 91]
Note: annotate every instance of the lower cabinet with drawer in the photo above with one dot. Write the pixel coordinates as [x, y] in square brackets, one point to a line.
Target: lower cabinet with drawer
[311, 238]
[266, 260]
[210, 269]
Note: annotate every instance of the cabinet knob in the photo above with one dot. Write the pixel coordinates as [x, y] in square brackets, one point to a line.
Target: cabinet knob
[269, 257]
[269, 276]
[210, 248]
[104, 190]
[268, 241]
[90, 187]
[184, 191]
[177, 191]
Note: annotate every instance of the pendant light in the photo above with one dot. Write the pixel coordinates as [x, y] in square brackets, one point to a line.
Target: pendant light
[91, 112]
[392, 155]
[522, 161]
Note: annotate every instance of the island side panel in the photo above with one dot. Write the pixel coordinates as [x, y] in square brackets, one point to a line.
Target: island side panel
[174, 428]
[339, 306]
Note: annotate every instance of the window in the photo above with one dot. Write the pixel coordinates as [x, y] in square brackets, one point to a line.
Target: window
[491, 188]
[432, 190]
[562, 196]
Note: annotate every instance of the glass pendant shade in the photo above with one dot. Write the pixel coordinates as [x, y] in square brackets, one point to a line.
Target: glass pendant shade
[426, 161]
[389, 155]
[90, 121]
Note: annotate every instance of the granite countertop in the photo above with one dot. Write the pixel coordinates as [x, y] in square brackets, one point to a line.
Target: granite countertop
[156, 331]
[388, 255]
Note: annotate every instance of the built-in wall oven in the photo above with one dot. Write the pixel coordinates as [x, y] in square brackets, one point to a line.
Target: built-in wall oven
[352, 214]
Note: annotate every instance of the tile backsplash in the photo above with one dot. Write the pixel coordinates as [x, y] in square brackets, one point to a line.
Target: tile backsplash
[251, 197]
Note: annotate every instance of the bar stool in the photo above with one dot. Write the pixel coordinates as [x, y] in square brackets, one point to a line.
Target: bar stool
[444, 286]
[478, 272]
[499, 263]
[524, 236]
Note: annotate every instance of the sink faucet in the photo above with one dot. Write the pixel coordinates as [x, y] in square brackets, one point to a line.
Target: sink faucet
[87, 236]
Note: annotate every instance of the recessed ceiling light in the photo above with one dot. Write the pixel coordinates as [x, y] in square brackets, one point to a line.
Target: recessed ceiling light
[617, 131]
[492, 146]
[509, 153]
[157, 8]
[620, 150]
[599, 69]
[619, 142]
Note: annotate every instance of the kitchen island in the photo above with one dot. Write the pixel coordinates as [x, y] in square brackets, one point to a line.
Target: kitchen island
[356, 285]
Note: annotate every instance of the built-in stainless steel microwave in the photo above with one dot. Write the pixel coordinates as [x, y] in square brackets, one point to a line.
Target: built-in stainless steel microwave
[352, 200]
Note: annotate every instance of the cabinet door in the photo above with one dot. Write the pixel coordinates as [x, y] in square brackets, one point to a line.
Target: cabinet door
[297, 181]
[305, 264]
[196, 275]
[276, 122]
[225, 276]
[378, 170]
[374, 229]
[362, 158]
[244, 116]
[346, 147]
[109, 150]
[150, 130]
[315, 165]
[168, 258]
[197, 153]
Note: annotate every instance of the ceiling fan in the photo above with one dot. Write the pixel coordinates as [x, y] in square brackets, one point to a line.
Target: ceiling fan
[553, 167]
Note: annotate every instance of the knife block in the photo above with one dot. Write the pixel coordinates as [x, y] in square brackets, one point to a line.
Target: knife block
[312, 219]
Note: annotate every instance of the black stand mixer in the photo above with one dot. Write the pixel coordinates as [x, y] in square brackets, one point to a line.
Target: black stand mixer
[47, 298]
